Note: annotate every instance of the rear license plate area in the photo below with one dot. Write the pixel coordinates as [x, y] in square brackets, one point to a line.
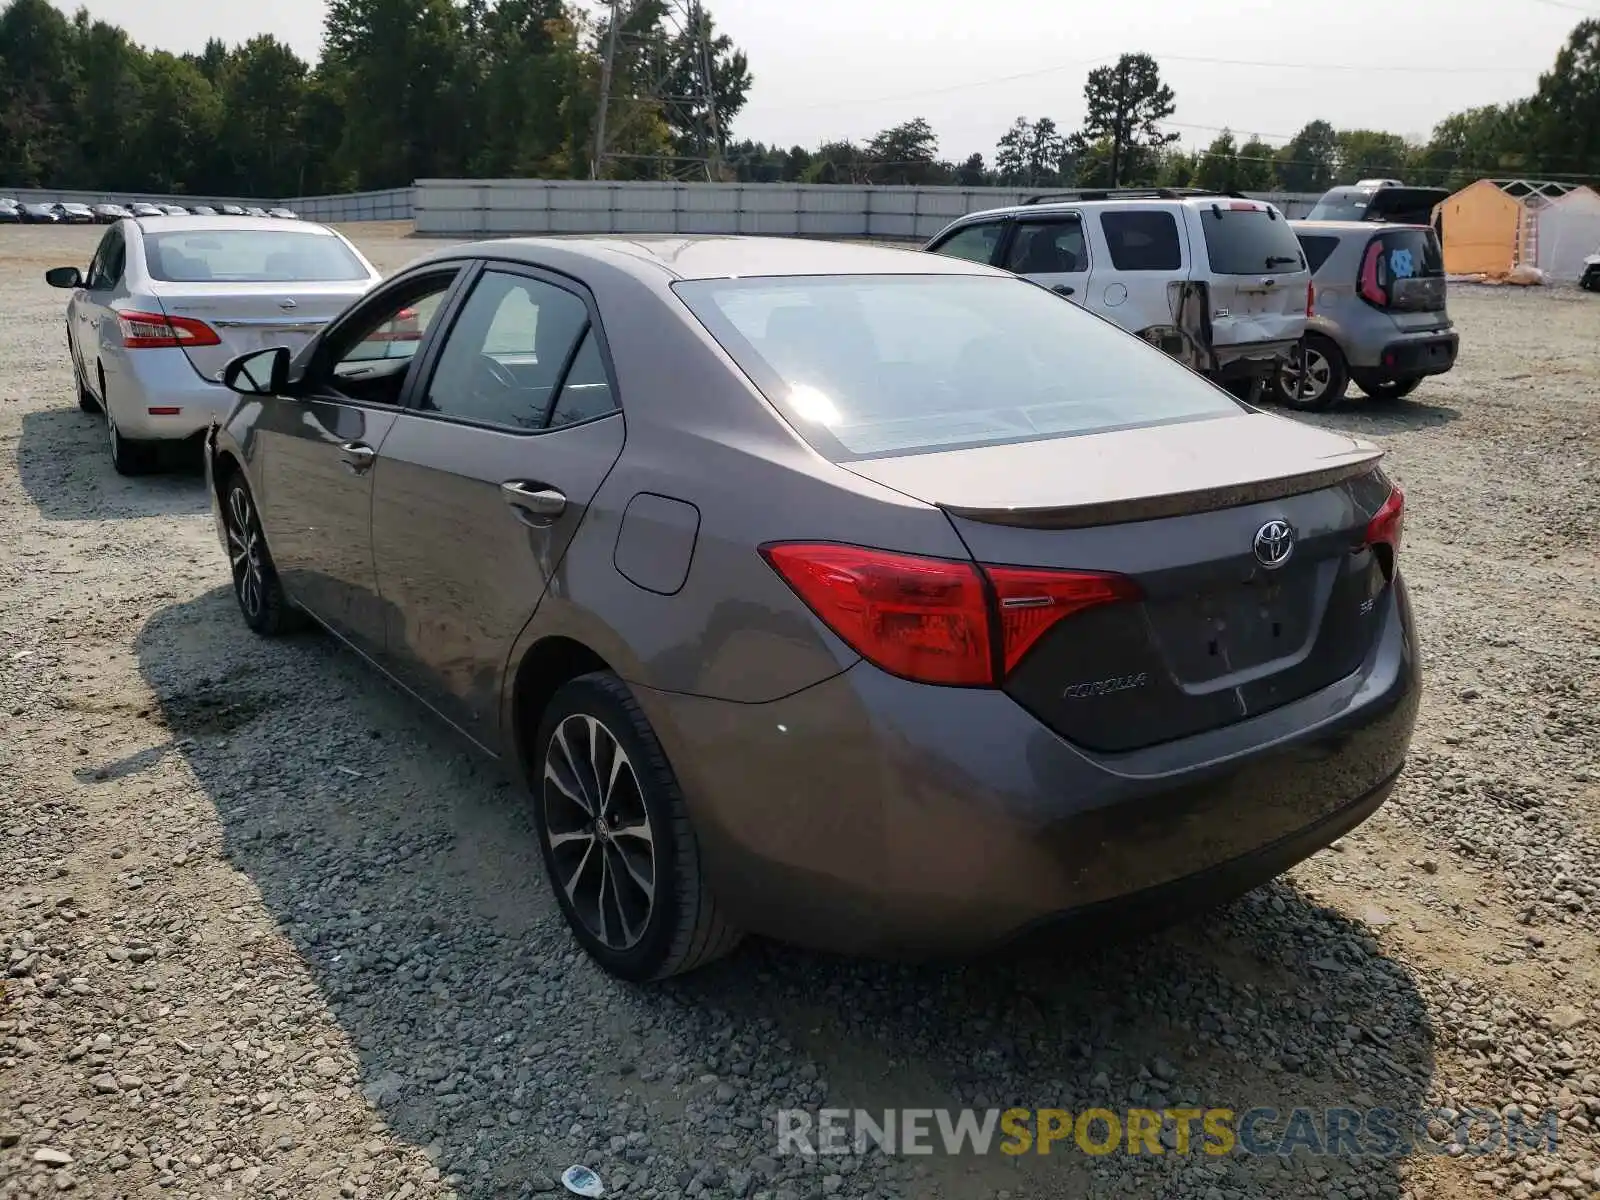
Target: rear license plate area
[1214, 635]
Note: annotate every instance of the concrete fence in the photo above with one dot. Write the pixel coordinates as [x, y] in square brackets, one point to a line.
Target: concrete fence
[475, 207]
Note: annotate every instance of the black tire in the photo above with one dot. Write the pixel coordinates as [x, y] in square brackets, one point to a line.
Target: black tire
[682, 927]
[256, 588]
[1328, 373]
[1591, 280]
[1389, 389]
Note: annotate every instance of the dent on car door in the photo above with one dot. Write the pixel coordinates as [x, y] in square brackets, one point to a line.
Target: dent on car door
[483, 482]
[315, 451]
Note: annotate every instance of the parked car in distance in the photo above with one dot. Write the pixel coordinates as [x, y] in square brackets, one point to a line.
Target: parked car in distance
[75, 214]
[283, 214]
[107, 214]
[1590, 281]
[167, 301]
[1379, 318]
[10, 214]
[869, 599]
[173, 210]
[1379, 200]
[255, 211]
[203, 210]
[1239, 305]
[40, 214]
[230, 210]
[145, 209]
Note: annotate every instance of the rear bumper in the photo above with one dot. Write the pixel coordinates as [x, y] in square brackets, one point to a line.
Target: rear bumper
[871, 815]
[140, 380]
[1431, 353]
[1250, 360]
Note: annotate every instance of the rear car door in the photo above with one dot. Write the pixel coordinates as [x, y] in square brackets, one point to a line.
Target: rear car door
[1257, 273]
[316, 449]
[1051, 251]
[508, 433]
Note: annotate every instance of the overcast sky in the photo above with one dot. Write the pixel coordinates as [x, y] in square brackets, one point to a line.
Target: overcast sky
[828, 69]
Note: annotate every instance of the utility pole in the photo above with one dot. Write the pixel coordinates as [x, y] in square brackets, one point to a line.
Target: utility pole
[607, 65]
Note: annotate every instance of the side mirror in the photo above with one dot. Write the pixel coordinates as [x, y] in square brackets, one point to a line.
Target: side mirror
[259, 373]
[64, 277]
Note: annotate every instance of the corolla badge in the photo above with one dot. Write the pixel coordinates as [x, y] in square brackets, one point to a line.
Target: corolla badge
[1274, 544]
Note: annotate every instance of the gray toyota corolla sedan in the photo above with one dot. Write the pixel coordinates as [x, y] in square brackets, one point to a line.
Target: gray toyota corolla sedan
[872, 600]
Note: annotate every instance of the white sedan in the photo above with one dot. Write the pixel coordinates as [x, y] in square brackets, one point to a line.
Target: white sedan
[166, 302]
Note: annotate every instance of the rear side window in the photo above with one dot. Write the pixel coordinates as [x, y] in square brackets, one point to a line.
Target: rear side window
[1317, 250]
[1249, 241]
[875, 365]
[1048, 248]
[250, 256]
[1142, 241]
[975, 243]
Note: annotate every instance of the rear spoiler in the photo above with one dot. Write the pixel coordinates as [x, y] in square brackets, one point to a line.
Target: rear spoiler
[1173, 504]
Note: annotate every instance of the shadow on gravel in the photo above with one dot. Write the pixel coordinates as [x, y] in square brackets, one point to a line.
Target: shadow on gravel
[1364, 416]
[401, 871]
[65, 468]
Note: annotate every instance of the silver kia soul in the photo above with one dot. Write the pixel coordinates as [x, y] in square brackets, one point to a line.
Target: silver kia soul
[1378, 313]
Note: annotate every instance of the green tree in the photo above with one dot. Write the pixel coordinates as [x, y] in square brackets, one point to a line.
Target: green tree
[1255, 170]
[1218, 168]
[1031, 154]
[110, 101]
[1371, 154]
[262, 91]
[1489, 140]
[179, 122]
[1125, 105]
[1309, 161]
[907, 154]
[1563, 116]
[39, 77]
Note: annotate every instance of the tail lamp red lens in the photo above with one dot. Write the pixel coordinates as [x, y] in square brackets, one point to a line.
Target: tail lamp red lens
[1387, 525]
[1370, 284]
[937, 620]
[1311, 300]
[157, 331]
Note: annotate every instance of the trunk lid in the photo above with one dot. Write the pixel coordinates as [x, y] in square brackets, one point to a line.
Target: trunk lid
[1221, 632]
[1258, 273]
[1404, 268]
[254, 316]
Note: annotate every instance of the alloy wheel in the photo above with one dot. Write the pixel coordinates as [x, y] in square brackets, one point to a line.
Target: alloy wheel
[1309, 381]
[244, 554]
[598, 829]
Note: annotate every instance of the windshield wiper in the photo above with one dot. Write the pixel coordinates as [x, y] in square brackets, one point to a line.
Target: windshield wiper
[1274, 259]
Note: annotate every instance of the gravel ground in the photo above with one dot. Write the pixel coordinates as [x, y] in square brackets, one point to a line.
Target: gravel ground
[271, 932]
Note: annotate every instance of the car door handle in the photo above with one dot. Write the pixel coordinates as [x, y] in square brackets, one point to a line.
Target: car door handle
[1063, 289]
[543, 504]
[357, 456]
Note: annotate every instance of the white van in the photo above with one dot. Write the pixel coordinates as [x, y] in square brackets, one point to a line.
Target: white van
[1215, 279]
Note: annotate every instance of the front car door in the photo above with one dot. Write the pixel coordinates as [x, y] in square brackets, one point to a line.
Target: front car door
[507, 435]
[977, 242]
[91, 306]
[314, 452]
[1051, 251]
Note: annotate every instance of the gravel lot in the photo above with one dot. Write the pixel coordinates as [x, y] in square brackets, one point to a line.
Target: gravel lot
[271, 932]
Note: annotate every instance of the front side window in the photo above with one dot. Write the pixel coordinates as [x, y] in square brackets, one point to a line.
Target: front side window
[1142, 241]
[1048, 248]
[250, 256]
[975, 243]
[866, 366]
[507, 351]
[368, 359]
[96, 278]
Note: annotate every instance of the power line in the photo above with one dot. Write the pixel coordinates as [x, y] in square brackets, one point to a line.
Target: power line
[1569, 7]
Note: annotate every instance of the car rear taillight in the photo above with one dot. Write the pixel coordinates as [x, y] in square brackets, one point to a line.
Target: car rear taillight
[1311, 300]
[1386, 526]
[157, 331]
[1370, 283]
[937, 620]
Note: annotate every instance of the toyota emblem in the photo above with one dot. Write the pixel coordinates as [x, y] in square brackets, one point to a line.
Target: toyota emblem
[287, 302]
[1274, 544]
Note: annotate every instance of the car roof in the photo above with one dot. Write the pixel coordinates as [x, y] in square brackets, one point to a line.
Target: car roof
[1368, 227]
[721, 257]
[172, 224]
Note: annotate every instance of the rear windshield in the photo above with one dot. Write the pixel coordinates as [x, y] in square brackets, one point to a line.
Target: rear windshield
[1249, 241]
[249, 256]
[868, 366]
[1412, 253]
[1342, 204]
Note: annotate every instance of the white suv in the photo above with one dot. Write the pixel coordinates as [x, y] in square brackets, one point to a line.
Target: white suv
[1215, 279]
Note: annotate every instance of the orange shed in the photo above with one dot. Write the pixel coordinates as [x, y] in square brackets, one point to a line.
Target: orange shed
[1492, 226]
